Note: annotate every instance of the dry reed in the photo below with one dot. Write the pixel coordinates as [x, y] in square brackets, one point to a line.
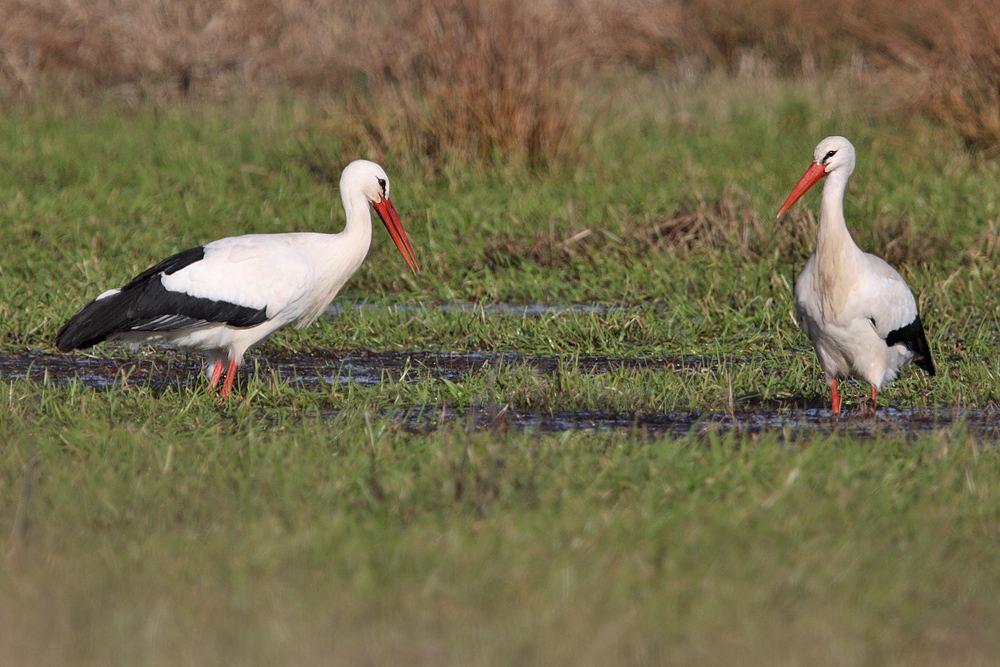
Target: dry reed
[495, 78]
[475, 80]
[960, 80]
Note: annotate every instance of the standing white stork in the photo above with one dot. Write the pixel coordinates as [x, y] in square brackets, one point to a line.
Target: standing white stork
[228, 295]
[858, 312]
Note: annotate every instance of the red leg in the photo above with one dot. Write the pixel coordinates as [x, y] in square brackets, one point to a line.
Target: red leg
[216, 374]
[230, 377]
[873, 398]
[835, 395]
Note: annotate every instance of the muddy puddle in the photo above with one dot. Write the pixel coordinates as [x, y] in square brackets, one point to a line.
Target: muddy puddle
[498, 308]
[365, 368]
[171, 369]
[791, 422]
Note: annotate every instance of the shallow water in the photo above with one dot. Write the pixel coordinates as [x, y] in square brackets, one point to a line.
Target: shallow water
[172, 369]
[792, 422]
[497, 308]
[360, 366]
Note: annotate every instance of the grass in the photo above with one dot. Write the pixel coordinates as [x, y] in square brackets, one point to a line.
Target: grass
[488, 80]
[148, 524]
[184, 538]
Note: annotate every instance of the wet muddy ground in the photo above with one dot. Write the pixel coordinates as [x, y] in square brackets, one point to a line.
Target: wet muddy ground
[365, 368]
[791, 422]
[806, 416]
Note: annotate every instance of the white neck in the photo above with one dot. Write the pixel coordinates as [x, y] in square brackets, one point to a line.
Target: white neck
[335, 257]
[357, 233]
[833, 235]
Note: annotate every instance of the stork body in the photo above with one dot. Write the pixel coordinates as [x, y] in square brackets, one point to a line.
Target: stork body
[857, 310]
[228, 295]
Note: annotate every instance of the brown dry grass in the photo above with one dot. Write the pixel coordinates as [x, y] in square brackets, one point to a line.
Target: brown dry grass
[696, 226]
[110, 42]
[303, 41]
[960, 80]
[475, 79]
[708, 227]
[491, 78]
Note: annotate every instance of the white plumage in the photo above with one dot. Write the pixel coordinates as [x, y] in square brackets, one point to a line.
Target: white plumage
[228, 295]
[857, 310]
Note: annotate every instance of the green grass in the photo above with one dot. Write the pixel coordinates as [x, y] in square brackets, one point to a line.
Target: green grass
[284, 526]
[180, 537]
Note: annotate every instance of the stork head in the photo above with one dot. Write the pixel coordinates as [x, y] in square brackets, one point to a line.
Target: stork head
[832, 155]
[835, 154]
[370, 180]
[366, 177]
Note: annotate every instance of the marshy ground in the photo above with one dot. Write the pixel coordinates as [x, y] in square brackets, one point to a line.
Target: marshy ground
[794, 418]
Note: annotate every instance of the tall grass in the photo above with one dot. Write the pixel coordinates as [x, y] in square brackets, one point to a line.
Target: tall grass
[482, 79]
[475, 80]
[962, 88]
[178, 43]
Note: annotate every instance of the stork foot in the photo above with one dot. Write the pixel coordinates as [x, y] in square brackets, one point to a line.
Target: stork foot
[873, 404]
[216, 374]
[835, 396]
[230, 377]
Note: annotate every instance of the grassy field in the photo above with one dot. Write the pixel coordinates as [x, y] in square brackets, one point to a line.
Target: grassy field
[152, 524]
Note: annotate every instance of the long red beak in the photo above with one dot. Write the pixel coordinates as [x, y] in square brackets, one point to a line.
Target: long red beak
[813, 174]
[387, 212]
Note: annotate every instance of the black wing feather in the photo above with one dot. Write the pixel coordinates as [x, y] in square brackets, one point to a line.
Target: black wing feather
[912, 338]
[145, 302]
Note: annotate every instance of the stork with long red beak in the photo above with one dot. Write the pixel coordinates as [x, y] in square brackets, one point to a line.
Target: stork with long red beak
[858, 312]
[228, 295]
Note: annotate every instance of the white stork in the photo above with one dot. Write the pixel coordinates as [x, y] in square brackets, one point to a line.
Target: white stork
[858, 312]
[228, 295]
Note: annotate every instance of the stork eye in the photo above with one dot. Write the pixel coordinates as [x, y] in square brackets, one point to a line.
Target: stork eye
[381, 184]
[829, 154]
